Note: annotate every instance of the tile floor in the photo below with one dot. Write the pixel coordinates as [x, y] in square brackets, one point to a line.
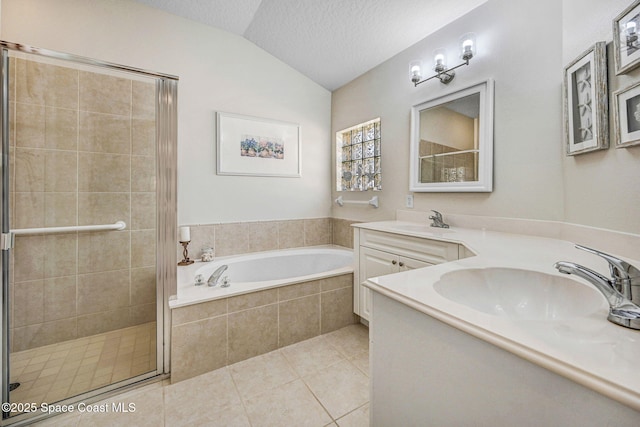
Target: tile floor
[322, 381]
[58, 371]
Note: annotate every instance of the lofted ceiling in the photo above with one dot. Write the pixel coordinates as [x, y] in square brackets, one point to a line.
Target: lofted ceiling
[330, 41]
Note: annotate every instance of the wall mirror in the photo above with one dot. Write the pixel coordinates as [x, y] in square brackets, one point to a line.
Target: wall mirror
[452, 141]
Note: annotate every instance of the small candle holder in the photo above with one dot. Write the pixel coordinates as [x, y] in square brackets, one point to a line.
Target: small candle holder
[185, 254]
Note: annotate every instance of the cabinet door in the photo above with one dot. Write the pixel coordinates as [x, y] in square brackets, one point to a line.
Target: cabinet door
[373, 263]
[410, 263]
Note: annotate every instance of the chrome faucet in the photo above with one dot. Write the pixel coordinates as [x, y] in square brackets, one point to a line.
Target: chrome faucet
[622, 289]
[437, 220]
[215, 277]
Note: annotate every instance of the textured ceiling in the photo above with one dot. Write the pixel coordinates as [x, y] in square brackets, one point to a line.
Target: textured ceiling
[330, 41]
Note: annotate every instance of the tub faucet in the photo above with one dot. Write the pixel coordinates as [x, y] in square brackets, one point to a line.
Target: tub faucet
[437, 220]
[622, 289]
[215, 277]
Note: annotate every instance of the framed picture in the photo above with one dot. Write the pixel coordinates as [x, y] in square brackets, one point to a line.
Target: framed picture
[585, 102]
[626, 45]
[626, 116]
[254, 146]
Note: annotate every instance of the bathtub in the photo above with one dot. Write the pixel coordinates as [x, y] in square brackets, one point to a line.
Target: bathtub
[262, 270]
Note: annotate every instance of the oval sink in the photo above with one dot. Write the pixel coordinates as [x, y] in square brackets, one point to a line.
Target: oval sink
[520, 294]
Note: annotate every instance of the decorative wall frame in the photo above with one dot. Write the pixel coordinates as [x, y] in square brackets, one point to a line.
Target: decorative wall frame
[585, 102]
[258, 147]
[626, 116]
[626, 43]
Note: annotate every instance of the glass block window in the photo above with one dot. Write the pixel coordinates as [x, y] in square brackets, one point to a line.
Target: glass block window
[358, 157]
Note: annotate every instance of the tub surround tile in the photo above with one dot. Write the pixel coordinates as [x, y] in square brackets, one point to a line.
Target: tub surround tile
[143, 101]
[103, 291]
[198, 347]
[197, 312]
[290, 234]
[252, 300]
[60, 255]
[336, 282]
[263, 236]
[342, 232]
[299, 320]
[337, 309]
[299, 290]
[29, 170]
[30, 210]
[103, 172]
[30, 125]
[143, 211]
[263, 321]
[231, 239]
[41, 334]
[29, 296]
[252, 332]
[317, 231]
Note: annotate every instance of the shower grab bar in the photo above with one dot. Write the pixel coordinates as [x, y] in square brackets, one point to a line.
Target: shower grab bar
[119, 225]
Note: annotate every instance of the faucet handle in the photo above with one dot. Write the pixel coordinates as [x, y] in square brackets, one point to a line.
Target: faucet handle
[437, 215]
[620, 269]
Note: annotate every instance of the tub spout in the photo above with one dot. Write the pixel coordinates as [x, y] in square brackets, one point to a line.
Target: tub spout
[215, 277]
[622, 310]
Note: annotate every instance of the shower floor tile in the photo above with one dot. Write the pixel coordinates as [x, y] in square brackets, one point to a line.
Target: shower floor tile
[55, 372]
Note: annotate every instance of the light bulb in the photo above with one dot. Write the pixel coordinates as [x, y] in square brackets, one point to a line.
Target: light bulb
[415, 71]
[467, 46]
[439, 60]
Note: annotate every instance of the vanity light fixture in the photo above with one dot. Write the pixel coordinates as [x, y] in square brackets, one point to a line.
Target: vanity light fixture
[444, 74]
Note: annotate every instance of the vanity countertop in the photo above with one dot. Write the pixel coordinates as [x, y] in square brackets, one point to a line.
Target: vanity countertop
[592, 352]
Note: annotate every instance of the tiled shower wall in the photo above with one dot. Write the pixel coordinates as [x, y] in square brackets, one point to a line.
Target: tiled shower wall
[82, 153]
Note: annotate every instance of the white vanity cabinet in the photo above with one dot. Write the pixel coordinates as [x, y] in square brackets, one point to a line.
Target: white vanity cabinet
[380, 253]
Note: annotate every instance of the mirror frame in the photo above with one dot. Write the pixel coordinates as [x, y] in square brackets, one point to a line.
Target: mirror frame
[485, 143]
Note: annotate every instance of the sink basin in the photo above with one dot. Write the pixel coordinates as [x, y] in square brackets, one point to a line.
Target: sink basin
[520, 294]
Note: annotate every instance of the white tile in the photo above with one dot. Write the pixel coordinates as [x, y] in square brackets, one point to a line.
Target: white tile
[291, 404]
[312, 355]
[361, 361]
[261, 373]
[340, 388]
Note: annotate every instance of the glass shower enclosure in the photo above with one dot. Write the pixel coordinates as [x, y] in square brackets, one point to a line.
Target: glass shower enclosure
[88, 225]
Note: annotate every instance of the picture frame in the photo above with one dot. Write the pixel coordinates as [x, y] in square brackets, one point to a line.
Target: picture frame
[254, 146]
[585, 102]
[626, 40]
[626, 116]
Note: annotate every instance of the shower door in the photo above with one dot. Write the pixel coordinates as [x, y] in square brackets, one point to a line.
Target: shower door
[83, 238]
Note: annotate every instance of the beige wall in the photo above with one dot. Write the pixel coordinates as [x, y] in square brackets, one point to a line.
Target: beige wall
[458, 134]
[218, 71]
[601, 189]
[83, 151]
[528, 116]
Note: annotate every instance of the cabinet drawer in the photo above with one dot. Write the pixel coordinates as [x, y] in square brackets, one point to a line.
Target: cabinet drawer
[427, 250]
